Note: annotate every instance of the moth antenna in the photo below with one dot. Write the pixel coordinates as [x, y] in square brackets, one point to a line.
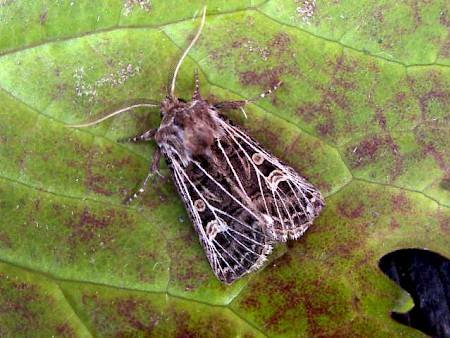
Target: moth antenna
[267, 92]
[117, 112]
[194, 40]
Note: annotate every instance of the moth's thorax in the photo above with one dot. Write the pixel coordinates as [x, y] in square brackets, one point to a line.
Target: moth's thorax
[190, 128]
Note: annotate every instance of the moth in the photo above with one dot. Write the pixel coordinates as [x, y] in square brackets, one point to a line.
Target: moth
[240, 198]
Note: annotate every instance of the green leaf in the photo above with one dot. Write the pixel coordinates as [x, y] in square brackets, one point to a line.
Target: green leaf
[363, 113]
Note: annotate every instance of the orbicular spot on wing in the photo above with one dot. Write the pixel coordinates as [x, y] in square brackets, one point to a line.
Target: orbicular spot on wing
[258, 158]
[200, 205]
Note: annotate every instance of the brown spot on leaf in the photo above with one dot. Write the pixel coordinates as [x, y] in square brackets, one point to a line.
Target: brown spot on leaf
[18, 298]
[379, 149]
[335, 95]
[443, 19]
[378, 14]
[43, 15]
[380, 118]
[124, 162]
[416, 14]
[87, 226]
[37, 204]
[444, 51]
[350, 210]
[136, 315]
[287, 297]
[400, 202]
[237, 43]
[5, 240]
[280, 42]
[429, 90]
[266, 79]
[445, 184]
[251, 303]
[93, 180]
[308, 111]
[326, 128]
[185, 266]
[429, 146]
[444, 222]
[64, 330]
[127, 307]
[283, 289]
[400, 97]
[267, 135]
[394, 223]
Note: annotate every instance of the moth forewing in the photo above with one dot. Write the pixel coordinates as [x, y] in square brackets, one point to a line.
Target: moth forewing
[240, 198]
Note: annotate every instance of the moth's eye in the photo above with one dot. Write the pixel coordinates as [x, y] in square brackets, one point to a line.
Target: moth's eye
[257, 158]
[200, 205]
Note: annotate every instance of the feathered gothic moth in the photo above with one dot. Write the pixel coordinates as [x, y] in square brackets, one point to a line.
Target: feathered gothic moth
[240, 198]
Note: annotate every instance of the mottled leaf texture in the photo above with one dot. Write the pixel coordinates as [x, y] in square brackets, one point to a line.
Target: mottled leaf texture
[362, 114]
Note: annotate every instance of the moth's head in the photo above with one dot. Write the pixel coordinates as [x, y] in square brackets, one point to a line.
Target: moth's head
[170, 107]
[170, 103]
[192, 125]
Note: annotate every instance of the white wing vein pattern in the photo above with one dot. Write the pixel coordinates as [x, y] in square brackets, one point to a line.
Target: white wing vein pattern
[282, 209]
[294, 182]
[180, 174]
[182, 178]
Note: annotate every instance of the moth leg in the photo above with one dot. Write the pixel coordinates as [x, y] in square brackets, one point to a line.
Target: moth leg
[147, 136]
[241, 104]
[154, 165]
[196, 95]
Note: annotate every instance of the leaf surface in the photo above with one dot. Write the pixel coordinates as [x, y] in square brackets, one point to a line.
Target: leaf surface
[363, 113]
